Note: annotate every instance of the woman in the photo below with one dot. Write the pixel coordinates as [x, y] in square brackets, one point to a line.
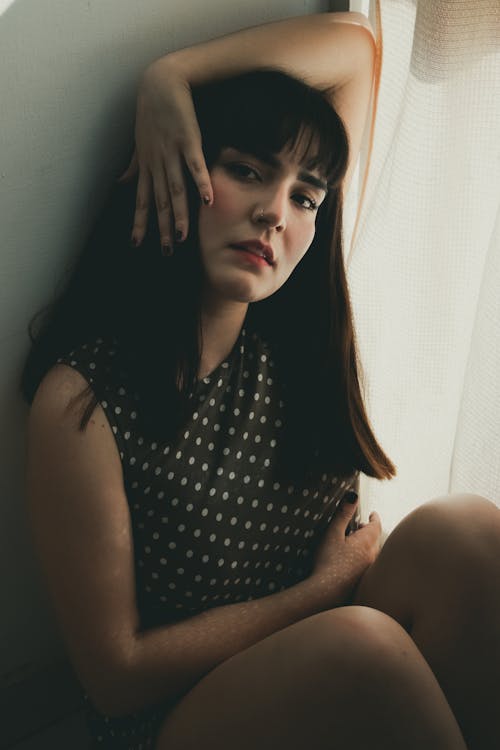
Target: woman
[197, 531]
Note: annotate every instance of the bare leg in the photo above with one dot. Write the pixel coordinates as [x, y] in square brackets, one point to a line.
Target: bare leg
[346, 679]
[438, 574]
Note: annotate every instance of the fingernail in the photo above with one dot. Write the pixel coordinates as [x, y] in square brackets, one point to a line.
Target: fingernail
[178, 235]
[350, 496]
[134, 242]
[167, 251]
[206, 199]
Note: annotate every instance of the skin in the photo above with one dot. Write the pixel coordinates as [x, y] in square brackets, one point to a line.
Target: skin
[413, 662]
[243, 185]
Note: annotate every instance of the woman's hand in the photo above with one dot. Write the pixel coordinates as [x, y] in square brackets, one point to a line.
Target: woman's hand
[166, 131]
[342, 559]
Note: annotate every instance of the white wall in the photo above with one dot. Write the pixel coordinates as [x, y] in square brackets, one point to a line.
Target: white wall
[67, 86]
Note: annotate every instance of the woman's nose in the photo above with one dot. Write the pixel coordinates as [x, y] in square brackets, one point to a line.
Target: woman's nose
[272, 210]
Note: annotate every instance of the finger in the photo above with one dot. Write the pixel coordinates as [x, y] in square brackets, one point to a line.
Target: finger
[131, 170]
[196, 164]
[142, 202]
[346, 510]
[164, 209]
[178, 197]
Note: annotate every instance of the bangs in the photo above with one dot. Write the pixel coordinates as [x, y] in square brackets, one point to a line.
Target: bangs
[265, 112]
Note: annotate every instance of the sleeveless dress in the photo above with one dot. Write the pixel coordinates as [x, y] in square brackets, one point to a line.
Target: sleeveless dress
[210, 523]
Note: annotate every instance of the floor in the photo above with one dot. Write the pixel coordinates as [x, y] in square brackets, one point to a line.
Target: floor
[68, 734]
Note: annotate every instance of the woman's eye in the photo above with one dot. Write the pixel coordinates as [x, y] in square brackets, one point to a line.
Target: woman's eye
[309, 204]
[241, 169]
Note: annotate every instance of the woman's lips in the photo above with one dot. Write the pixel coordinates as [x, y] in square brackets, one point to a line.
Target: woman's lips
[250, 256]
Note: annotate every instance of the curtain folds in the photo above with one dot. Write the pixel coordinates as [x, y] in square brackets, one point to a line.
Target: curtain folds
[423, 255]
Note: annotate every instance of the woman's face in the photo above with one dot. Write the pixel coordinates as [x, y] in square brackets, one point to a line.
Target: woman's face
[253, 200]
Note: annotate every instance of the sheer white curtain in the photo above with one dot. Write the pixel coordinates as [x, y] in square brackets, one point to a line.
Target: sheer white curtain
[424, 254]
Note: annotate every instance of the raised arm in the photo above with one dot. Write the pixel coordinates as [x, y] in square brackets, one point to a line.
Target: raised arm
[332, 51]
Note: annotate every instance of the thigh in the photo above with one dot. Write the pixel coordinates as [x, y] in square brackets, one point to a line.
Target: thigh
[271, 694]
[442, 548]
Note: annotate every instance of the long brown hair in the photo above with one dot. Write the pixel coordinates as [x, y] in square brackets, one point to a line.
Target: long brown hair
[151, 306]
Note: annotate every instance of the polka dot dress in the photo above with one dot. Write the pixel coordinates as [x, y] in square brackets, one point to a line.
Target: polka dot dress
[211, 525]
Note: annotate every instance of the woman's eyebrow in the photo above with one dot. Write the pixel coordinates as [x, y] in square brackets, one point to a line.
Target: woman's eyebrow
[304, 176]
[275, 163]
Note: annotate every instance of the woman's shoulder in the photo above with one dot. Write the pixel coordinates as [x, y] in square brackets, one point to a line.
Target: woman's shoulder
[91, 354]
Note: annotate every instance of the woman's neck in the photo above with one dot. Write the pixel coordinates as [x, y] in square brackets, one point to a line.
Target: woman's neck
[220, 333]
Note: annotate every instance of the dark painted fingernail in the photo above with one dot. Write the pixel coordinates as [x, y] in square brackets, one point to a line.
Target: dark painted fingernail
[178, 235]
[350, 496]
[167, 251]
[206, 199]
[134, 242]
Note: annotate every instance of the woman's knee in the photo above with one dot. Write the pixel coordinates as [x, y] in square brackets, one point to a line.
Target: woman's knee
[353, 638]
[465, 525]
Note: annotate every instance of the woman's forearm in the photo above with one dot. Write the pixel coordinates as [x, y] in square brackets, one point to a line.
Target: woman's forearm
[167, 661]
[319, 48]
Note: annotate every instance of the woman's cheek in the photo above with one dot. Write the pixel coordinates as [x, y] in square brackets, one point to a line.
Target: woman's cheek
[225, 202]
